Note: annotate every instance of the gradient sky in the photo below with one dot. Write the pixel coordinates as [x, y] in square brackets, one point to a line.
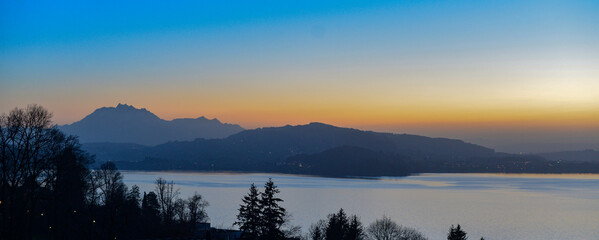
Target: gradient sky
[512, 75]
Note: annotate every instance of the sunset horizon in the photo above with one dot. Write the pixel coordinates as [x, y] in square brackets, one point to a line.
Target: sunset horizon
[524, 72]
[525, 136]
[299, 120]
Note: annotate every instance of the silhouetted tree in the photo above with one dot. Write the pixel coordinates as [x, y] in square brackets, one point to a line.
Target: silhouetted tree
[317, 231]
[336, 226]
[150, 212]
[180, 210]
[150, 206]
[250, 212]
[112, 187]
[93, 186]
[133, 197]
[383, 229]
[387, 229]
[291, 231]
[67, 187]
[197, 210]
[37, 165]
[273, 215]
[408, 233]
[113, 195]
[167, 195]
[47, 191]
[456, 233]
[131, 213]
[355, 230]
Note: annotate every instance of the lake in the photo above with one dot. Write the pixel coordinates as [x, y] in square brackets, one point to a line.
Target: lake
[496, 206]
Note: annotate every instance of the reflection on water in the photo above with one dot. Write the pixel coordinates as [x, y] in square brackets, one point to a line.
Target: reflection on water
[496, 206]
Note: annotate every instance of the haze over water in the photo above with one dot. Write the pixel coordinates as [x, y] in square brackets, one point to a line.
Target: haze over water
[495, 206]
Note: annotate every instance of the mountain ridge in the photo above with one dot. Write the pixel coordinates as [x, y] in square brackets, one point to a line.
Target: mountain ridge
[326, 150]
[128, 124]
[262, 148]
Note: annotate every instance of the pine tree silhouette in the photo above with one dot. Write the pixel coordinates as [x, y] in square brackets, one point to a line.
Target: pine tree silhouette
[273, 215]
[456, 233]
[250, 212]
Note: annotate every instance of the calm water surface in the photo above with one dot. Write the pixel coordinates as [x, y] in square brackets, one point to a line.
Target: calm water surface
[496, 206]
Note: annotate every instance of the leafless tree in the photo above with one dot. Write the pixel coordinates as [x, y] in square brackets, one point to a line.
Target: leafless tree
[31, 150]
[92, 194]
[387, 229]
[197, 209]
[317, 230]
[408, 233]
[383, 229]
[180, 210]
[167, 195]
[290, 230]
[25, 143]
[111, 185]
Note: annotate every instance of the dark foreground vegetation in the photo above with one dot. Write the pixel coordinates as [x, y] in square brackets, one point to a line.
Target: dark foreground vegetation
[48, 192]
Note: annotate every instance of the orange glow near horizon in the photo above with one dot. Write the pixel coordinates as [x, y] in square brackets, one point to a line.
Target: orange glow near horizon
[356, 114]
[379, 105]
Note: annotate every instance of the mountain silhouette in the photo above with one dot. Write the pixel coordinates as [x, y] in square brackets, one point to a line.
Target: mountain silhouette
[262, 149]
[127, 124]
[326, 150]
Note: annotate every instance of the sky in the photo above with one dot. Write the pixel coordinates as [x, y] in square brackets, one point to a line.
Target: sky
[517, 76]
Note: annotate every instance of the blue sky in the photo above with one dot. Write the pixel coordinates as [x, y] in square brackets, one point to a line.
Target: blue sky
[465, 69]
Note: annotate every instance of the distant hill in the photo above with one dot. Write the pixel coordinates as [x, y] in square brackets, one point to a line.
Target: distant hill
[321, 149]
[127, 124]
[263, 148]
[573, 156]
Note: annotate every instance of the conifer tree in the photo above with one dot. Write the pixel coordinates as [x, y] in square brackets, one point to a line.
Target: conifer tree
[250, 212]
[456, 233]
[355, 230]
[273, 215]
[337, 226]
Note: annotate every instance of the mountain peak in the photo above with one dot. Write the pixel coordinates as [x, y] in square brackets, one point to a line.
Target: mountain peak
[125, 106]
[126, 123]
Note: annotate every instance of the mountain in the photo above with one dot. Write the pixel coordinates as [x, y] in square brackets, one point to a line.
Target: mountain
[127, 124]
[265, 147]
[321, 149]
[588, 155]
